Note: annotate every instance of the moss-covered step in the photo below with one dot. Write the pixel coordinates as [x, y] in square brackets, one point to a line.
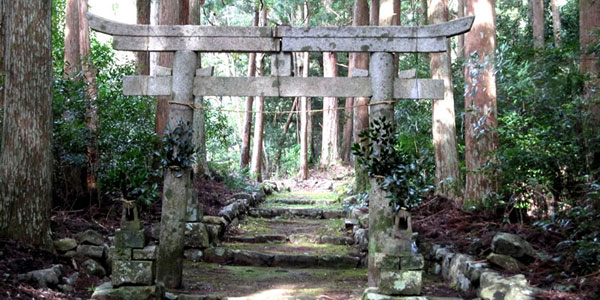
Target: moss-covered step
[313, 213]
[238, 282]
[305, 195]
[287, 255]
[289, 227]
[301, 201]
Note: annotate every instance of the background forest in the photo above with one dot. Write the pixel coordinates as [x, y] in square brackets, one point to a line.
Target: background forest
[540, 161]
[546, 162]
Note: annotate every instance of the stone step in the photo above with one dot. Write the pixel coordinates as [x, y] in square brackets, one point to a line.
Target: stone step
[281, 238]
[300, 212]
[204, 281]
[301, 201]
[227, 256]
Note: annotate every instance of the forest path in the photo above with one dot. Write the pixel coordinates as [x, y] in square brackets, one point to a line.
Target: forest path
[293, 246]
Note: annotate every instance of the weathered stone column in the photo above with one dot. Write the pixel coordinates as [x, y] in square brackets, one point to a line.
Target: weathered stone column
[177, 181]
[381, 214]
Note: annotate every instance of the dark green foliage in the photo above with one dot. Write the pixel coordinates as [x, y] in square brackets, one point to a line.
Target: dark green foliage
[580, 224]
[395, 170]
[177, 147]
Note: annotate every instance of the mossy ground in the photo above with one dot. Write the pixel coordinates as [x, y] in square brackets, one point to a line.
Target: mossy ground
[322, 206]
[305, 195]
[295, 248]
[273, 283]
[294, 226]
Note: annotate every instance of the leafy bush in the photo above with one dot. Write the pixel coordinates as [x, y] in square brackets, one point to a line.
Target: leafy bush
[396, 171]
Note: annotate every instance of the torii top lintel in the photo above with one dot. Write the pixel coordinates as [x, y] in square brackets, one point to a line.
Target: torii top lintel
[429, 38]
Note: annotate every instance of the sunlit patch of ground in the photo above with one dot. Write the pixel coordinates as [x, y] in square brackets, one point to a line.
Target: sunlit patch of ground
[273, 283]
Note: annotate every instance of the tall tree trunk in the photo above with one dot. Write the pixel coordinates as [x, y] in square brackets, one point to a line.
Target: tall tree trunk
[460, 47]
[172, 12]
[538, 23]
[361, 108]
[26, 155]
[246, 135]
[481, 120]
[72, 59]
[443, 119]
[329, 144]
[89, 72]
[589, 22]
[256, 166]
[143, 17]
[286, 128]
[304, 119]
[556, 25]
[389, 15]
[2, 42]
[374, 13]
[200, 166]
[304, 107]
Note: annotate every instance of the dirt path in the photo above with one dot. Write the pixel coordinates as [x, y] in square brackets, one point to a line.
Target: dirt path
[293, 246]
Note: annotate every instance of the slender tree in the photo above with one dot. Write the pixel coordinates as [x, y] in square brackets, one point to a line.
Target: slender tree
[200, 166]
[329, 144]
[72, 59]
[172, 12]
[460, 43]
[1, 55]
[26, 154]
[556, 24]
[481, 120]
[443, 119]
[143, 17]
[589, 37]
[537, 8]
[246, 135]
[361, 109]
[89, 73]
[304, 108]
[257, 144]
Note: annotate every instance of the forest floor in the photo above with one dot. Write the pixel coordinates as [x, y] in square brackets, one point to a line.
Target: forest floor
[438, 220]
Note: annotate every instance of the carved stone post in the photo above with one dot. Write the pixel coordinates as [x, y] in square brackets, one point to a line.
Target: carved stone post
[394, 265]
[381, 214]
[177, 182]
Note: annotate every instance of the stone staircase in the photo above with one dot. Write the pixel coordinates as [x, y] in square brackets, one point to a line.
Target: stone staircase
[292, 246]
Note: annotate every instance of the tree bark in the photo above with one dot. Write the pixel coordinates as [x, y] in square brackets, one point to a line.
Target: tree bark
[72, 59]
[538, 23]
[89, 72]
[2, 43]
[589, 22]
[361, 108]
[172, 12]
[200, 166]
[481, 120]
[443, 119]
[556, 24]
[304, 107]
[246, 135]
[460, 47]
[374, 13]
[329, 143]
[286, 128]
[143, 17]
[26, 155]
[256, 166]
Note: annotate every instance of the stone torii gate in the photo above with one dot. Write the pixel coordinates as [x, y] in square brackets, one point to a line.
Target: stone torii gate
[184, 82]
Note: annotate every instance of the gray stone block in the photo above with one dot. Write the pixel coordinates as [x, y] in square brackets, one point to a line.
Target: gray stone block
[132, 272]
[400, 282]
[106, 291]
[130, 239]
[64, 245]
[196, 235]
[91, 237]
[148, 253]
[91, 251]
[119, 253]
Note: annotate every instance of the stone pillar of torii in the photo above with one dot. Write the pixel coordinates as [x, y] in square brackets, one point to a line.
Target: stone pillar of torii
[393, 265]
